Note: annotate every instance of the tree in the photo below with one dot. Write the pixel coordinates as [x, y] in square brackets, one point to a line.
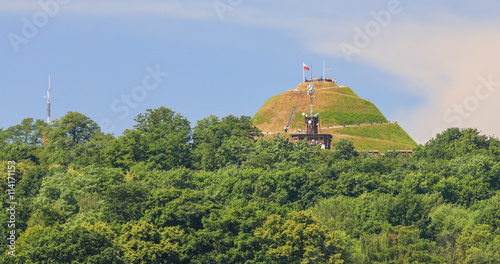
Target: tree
[29, 132]
[227, 236]
[488, 212]
[72, 129]
[355, 216]
[144, 243]
[19, 152]
[160, 140]
[300, 239]
[20, 142]
[31, 182]
[85, 243]
[68, 187]
[183, 208]
[48, 215]
[447, 223]
[476, 244]
[400, 244]
[469, 179]
[217, 143]
[71, 139]
[125, 202]
[281, 152]
[344, 149]
[3, 138]
[455, 142]
[126, 151]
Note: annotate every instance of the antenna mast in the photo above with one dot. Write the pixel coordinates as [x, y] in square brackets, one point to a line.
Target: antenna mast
[48, 103]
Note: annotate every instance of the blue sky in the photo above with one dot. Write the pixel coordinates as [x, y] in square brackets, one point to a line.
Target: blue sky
[427, 65]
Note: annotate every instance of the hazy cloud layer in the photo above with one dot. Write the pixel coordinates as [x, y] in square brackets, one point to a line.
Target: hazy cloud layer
[449, 62]
[181, 9]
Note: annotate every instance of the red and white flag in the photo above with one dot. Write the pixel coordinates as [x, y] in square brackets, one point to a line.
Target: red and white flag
[305, 66]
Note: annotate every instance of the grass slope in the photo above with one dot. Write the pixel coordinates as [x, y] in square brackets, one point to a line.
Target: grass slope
[336, 105]
[381, 137]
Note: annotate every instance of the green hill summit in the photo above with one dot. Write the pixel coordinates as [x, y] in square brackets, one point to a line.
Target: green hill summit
[342, 113]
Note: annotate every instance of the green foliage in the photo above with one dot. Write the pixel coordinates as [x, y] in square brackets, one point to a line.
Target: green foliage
[32, 181]
[144, 243]
[125, 151]
[160, 140]
[476, 244]
[456, 142]
[19, 152]
[67, 187]
[344, 149]
[20, 142]
[73, 128]
[182, 208]
[400, 244]
[299, 239]
[164, 136]
[280, 152]
[124, 202]
[79, 244]
[469, 179]
[218, 143]
[48, 215]
[3, 138]
[219, 194]
[29, 132]
[368, 213]
[488, 212]
[74, 139]
[181, 178]
[447, 222]
[227, 236]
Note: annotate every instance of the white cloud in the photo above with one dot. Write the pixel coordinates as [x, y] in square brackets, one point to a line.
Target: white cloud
[442, 61]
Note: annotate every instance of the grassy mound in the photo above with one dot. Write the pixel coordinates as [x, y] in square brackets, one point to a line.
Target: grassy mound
[336, 105]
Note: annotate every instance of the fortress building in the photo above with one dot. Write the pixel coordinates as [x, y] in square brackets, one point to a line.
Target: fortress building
[312, 124]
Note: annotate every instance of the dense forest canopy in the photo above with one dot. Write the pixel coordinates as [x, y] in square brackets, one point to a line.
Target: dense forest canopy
[166, 192]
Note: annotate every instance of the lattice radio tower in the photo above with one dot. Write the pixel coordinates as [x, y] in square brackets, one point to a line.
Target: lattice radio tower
[48, 103]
